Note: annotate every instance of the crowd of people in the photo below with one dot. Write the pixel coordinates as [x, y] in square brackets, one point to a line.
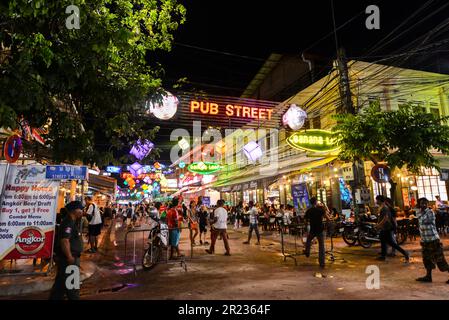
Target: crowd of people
[198, 219]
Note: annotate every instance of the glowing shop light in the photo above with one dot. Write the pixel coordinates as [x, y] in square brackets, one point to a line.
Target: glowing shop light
[183, 144]
[182, 165]
[294, 117]
[113, 169]
[164, 108]
[157, 165]
[252, 151]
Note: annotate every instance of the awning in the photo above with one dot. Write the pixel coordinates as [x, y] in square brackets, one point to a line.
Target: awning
[292, 168]
[103, 184]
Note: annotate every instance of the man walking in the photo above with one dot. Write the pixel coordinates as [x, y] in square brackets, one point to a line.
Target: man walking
[219, 228]
[386, 227]
[314, 216]
[432, 249]
[68, 250]
[94, 218]
[253, 223]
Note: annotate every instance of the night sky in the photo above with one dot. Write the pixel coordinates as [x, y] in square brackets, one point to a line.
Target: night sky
[223, 44]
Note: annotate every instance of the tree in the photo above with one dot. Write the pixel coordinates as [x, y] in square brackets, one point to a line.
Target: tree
[92, 81]
[404, 137]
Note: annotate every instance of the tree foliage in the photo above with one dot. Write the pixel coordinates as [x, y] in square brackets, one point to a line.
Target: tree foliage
[91, 81]
[404, 137]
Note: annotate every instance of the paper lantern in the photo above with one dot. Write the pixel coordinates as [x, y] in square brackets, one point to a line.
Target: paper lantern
[147, 180]
[163, 109]
[220, 147]
[182, 165]
[181, 175]
[136, 169]
[157, 165]
[252, 151]
[294, 117]
[183, 144]
[141, 149]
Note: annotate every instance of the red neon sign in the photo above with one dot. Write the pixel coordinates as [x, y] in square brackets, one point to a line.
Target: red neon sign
[231, 110]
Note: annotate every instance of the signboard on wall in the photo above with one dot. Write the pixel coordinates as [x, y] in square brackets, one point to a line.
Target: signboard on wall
[300, 196]
[28, 213]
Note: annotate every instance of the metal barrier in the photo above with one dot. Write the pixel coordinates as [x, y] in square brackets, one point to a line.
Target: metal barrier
[145, 232]
[291, 239]
[296, 238]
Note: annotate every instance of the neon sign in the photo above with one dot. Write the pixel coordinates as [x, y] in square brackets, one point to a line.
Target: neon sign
[313, 140]
[203, 167]
[231, 110]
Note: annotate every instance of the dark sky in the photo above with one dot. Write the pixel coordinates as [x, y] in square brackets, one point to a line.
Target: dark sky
[236, 36]
[258, 28]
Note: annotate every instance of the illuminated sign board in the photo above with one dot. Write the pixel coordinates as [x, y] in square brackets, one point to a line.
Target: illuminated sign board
[203, 167]
[113, 169]
[230, 110]
[313, 140]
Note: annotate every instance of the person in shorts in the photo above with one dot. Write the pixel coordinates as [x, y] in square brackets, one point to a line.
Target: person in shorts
[173, 226]
[94, 217]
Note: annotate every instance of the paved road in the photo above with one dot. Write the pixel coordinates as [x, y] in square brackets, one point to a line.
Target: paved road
[258, 272]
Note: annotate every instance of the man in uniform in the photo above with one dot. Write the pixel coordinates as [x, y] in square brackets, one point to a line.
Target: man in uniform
[68, 251]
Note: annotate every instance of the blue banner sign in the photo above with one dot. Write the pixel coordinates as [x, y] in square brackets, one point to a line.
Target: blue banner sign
[113, 169]
[62, 172]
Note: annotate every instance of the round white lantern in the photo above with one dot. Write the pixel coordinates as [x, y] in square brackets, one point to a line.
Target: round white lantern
[294, 117]
[164, 109]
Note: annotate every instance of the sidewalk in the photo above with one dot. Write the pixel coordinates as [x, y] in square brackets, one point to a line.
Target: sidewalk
[17, 284]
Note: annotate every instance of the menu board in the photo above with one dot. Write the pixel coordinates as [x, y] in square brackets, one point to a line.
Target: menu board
[27, 213]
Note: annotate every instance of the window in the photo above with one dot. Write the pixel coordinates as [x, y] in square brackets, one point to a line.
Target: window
[429, 185]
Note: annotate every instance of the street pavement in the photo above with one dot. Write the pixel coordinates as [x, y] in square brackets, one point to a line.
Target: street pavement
[254, 272]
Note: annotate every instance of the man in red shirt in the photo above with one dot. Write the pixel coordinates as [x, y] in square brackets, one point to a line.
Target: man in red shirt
[173, 226]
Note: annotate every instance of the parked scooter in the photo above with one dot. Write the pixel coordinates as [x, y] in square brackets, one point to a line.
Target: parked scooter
[157, 242]
[349, 232]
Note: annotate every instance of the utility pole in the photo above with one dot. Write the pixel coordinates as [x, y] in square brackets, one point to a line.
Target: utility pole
[348, 107]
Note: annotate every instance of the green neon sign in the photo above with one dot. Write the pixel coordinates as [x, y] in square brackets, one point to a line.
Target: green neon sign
[313, 140]
[203, 167]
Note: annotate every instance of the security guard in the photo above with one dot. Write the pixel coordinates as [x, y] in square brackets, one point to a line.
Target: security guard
[68, 251]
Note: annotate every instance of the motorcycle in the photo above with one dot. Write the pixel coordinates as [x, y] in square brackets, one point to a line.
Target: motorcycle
[368, 234]
[157, 242]
[349, 232]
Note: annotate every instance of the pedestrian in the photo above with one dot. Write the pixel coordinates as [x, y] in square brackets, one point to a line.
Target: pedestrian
[238, 215]
[432, 248]
[68, 252]
[129, 214]
[94, 218]
[203, 216]
[219, 228]
[253, 223]
[173, 227]
[386, 227]
[192, 217]
[315, 216]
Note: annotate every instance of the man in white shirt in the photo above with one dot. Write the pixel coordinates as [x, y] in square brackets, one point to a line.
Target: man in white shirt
[219, 227]
[94, 218]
